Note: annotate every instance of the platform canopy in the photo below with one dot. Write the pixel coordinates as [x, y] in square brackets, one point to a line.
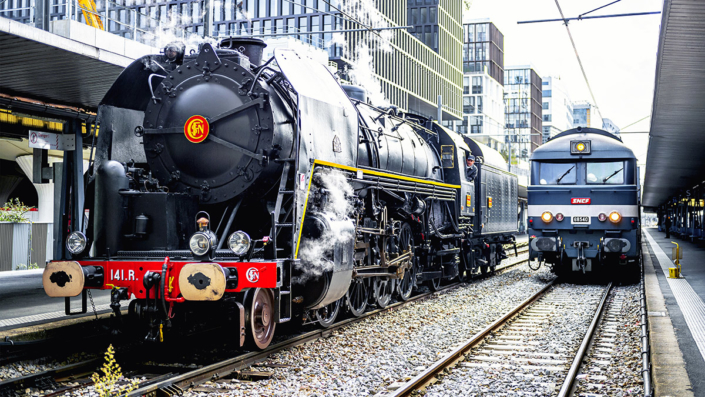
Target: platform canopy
[75, 65]
[676, 155]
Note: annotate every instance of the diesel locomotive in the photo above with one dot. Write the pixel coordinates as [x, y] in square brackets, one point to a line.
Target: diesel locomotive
[267, 192]
[584, 205]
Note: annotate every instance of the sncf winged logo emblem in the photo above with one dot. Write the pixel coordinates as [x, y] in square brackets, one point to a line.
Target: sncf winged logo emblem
[580, 200]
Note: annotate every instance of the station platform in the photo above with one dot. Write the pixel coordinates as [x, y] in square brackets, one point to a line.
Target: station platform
[23, 301]
[676, 315]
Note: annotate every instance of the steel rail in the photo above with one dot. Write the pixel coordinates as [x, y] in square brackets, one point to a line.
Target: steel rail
[424, 378]
[228, 367]
[567, 387]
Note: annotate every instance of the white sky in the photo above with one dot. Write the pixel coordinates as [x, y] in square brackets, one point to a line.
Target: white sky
[619, 54]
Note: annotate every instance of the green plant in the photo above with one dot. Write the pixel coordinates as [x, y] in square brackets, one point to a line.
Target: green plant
[106, 384]
[13, 211]
[31, 266]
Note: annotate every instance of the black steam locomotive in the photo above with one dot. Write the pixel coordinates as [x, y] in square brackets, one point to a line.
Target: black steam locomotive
[274, 193]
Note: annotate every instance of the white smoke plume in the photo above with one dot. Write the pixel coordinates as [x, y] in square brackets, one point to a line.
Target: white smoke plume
[316, 255]
[361, 53]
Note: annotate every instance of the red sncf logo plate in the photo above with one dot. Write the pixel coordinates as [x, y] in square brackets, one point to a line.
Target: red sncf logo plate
[580, 200]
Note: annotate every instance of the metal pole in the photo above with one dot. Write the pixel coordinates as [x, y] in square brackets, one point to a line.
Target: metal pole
[106, 22]
[134, 24]
[440, 109]
[68, 11]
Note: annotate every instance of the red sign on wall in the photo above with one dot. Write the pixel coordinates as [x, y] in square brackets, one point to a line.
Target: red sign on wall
[580, 200]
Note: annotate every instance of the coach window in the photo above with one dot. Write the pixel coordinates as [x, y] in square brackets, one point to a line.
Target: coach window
[557, 173]
[611, 173]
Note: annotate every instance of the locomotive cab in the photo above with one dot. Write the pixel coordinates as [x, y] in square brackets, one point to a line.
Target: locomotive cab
[583, 203]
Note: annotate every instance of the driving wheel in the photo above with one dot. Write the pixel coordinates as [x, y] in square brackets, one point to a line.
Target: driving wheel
[406, 285]
[357, 297]
[327, 314]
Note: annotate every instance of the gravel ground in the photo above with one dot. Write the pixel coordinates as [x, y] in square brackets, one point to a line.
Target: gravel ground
[531, 355]
[613, 364]
[367, 357]
[28, 367]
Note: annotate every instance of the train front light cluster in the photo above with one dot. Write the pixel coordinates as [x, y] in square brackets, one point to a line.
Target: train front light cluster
[559, 217]
[602, 217]
[547, 217]
[76, 242]
[239, 242]
[615, 217]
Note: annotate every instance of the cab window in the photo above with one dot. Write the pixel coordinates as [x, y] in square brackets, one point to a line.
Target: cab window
[608, 173]
[557, 173]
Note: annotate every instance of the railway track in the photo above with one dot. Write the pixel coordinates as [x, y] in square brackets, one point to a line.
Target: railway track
[172, 381]
[529, 349]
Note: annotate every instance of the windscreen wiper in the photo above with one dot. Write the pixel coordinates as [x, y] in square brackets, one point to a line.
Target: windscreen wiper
[563, 176]
[613, 174]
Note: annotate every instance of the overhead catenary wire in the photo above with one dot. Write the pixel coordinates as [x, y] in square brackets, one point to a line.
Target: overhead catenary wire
[598, 8]
[582, 68]
[641, 119]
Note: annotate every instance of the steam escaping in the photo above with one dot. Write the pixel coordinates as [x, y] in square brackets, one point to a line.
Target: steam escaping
[361, 53]
[317, 255]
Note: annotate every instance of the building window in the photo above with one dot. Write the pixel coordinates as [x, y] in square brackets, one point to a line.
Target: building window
[469, 104]
[466, 85]
[544, 83]
[545, 105]
[479, 104]
[546, 93]
[477, 85]
[546, 117]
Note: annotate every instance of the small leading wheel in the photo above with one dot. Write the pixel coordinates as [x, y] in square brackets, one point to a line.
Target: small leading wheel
[259, 305]
[357, 297]
[327, 314]
[383, 289]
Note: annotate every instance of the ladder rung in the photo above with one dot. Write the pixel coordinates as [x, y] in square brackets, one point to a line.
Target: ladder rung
[286, 191]
[284, 224]
[284, 292]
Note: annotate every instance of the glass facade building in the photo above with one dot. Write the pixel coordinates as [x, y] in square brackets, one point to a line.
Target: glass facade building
[483, 84]
[557, 108]
[413, 66]
[523, 99]
[586, 115]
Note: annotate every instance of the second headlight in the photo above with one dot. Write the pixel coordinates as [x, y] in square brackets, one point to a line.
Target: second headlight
[200, 244]
[239, 242]
[547, 217]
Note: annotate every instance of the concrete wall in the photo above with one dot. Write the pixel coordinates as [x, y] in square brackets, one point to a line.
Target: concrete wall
[15, 244]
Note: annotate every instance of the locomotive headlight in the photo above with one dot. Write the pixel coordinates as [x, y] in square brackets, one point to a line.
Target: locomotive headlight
[239, 242]
[76, 243]
[547, 217]
[615, 217]
[602, 217]
[559, 217]
[200, 244]
[580, 146]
